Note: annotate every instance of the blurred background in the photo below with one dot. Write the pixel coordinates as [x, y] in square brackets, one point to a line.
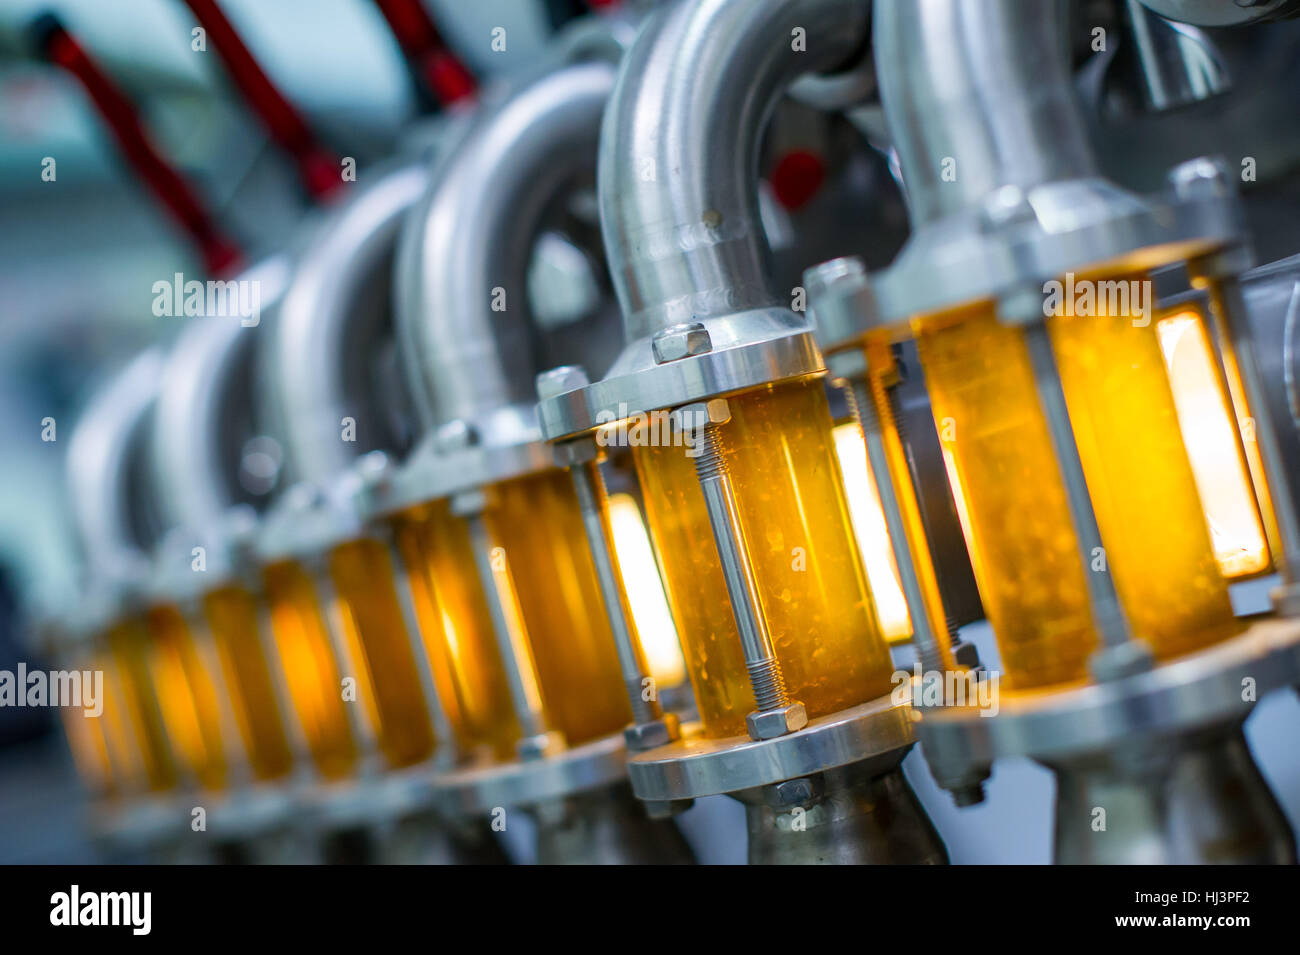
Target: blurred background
[79, 256]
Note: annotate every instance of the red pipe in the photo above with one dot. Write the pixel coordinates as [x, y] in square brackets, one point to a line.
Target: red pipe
[56, 44]
[318, 168]
[439, 69]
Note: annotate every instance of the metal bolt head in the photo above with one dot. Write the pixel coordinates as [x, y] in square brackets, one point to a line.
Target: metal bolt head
[681, 341]
[540, 746]
[579, 451]
[559, 381]
[666, 808]
[1004, 207]
[794, 792]
[643, 736]
[1126, 659]
[454, 436]
[769, 724]
[1203, 177]
[701, 414]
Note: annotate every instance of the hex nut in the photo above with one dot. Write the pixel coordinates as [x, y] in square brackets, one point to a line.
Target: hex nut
[681, 341]
[580, 451]
[794, 792]
[455, 436]
[701, 414]
[643, 736]
[540, 746]
[561, 380]
[1203, 176]
[769, 724]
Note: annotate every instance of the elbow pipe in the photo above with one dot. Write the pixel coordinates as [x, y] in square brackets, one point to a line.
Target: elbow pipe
[678, 173]
[978, 95]
[463, 315]
[105, 479]
[204, 411]
[318, 374]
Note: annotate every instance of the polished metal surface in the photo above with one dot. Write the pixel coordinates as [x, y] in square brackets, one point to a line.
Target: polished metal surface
[861, 814]
[1178, 61]
[1184, 799]
[1220, 13]
[1001, 179]
[606, 827]
[203, 399]
[476, 790]
[679, 201]
[462, 307]
[1201, 689]
[695, 766]
[105, 463]
[317, 368]
[678, 185]
[978, 95]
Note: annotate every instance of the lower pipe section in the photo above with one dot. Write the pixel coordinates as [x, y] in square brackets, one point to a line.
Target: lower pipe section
[865, 813]
[1197, 799]
[606, 827]
[427, 839]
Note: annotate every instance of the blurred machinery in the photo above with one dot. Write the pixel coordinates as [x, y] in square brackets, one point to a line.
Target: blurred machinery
[538, 485]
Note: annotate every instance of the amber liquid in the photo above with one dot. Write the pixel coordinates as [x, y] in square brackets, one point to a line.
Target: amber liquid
[372, 621]
[1023, 547]
[456, 627]
[232, 617]
[810, 580]
[187, 696]
[310, 669]
[537, 522]
[128, 642]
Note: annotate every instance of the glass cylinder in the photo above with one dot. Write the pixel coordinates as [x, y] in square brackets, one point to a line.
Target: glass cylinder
[89, 742]
[232, 617]
[128, 644]
[456, 627]
[536, 522]
[187, 697]
[310, 669]
[807, 569]
[535, 527]
[1023, 547]
[377, 637]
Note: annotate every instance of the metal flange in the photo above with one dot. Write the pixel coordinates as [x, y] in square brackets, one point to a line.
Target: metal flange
[1198, 690]
[366, 800]
[431, 475]
[144, 824]
[1021, 239]
[695, 767]
[478, 790]
[250, 812]
[747, 350]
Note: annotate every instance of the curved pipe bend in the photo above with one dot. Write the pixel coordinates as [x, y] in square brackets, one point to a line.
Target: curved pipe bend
[977, 95]
[469, 243]
[679, 152]
[103, 467]
[194, 452]
[316, 368]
